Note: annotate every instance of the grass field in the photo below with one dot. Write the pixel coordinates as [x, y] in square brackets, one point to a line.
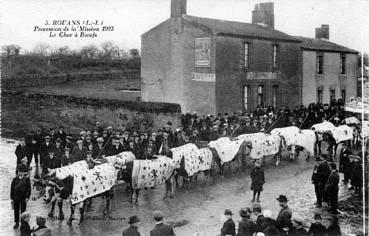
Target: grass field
[128, 90]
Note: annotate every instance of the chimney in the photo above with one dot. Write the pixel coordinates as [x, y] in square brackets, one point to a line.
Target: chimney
[322, 32]
[263, 14]
[178, 8]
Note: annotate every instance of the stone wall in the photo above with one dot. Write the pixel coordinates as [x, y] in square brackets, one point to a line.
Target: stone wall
[44, 80]
[22, 112]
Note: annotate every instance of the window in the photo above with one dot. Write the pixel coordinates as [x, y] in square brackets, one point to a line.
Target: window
[246, 52]
[320, 96]
[343, 95]
[246, 97]
[332, 94]
[319, 64]
[343, 64]
[260, 95]
[275, 56]
[275, 95]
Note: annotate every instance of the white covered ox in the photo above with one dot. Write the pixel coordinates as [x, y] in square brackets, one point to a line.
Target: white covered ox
[294, 136]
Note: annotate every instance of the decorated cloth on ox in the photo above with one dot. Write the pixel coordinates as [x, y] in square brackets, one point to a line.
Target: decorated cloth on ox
[121, 159]
[198, 161]
[89, 183]
[323, 127]
[257, 140]
[352, 121]
[226, 148]
[294, 136]
[342, 133]
[189, 149]
[65, 171]
[365, 129]
[149, 173]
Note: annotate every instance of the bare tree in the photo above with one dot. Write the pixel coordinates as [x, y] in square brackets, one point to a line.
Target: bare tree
[109, 51]
[89, 52]
[42, 49]
[9, 50]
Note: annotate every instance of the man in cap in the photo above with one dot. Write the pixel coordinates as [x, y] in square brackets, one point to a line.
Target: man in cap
[320, 177]
[99, 150]
[51, 162]
[316, 228]
[66, 158]
[331, 189]
[20, 191]
[79, 152]
[45, 148]
[58, 149]
[20, 151]
[229, 228]
[285, 214]
[132, 230]
[99, 128]
[68, 143]
[161, 229]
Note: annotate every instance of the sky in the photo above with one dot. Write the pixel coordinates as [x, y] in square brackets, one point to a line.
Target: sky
[348, 19]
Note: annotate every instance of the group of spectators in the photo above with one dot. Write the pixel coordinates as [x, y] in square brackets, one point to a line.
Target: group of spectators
[256, 222]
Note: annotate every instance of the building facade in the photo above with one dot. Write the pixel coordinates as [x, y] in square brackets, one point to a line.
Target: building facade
[211, 66]
[329, 69]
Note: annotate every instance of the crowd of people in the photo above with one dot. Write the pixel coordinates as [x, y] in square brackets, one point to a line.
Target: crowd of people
[55, 148]
[255, 222]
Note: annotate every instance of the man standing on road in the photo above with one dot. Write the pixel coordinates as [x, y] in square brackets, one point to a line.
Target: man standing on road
[320, 177]
[332, 188]
[161, 229]
[20, 151]
[285, 214]
[20, 191]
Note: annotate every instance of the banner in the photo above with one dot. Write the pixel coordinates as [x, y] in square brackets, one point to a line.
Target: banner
[92, 182]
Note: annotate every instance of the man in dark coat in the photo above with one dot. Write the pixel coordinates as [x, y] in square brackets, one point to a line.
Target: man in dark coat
[79, 152]
[20, 191]
[99, 150]
[345, 164]
[44, 150]
[285, 214]
[298, 229]
[229, 228]
[51, 162]
[66, 158]
[20, 151]
[356, 174]
[132, 230]
[331, 189]
[161, 229]
[333, 228]
[316, 228]
[268, 225]
[31, 147]
[320, 177]
[58, 149]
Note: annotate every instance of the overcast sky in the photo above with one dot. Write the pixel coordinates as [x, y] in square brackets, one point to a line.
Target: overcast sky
[348, 19]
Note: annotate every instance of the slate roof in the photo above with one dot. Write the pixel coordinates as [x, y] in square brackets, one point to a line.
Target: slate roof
[234, 28]
[323, 45]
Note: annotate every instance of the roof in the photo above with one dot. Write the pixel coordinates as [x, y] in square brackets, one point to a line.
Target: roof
[239, 29]
[322, 45]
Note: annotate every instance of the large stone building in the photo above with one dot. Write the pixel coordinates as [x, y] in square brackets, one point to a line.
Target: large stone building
[210, 65]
